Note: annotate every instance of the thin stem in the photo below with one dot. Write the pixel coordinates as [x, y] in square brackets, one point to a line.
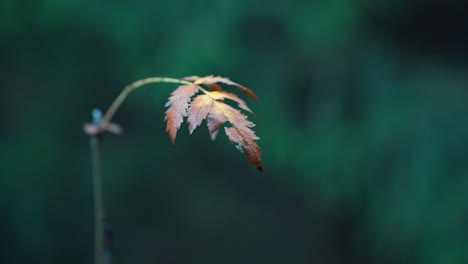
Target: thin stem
[96, 163]
[98, 201]
[123, 95]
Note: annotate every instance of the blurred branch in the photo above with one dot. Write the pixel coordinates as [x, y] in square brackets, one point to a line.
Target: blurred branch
[95, 131]
[98, 201]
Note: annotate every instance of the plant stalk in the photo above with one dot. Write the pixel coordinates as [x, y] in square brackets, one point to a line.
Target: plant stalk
[98, 201]
[96, 162]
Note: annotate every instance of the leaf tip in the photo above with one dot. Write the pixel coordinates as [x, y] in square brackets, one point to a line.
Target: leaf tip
[260, 168]
[249, 92]
[172, 136]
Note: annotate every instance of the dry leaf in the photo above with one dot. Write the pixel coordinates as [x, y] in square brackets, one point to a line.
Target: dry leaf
[211, 106]
[178, 104]
[211, 80]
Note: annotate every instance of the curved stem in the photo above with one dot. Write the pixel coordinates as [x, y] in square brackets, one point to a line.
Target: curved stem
[123, 95]
[96, 163]
[98, 201]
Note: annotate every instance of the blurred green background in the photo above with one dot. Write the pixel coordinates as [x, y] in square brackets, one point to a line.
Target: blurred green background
[362, 119]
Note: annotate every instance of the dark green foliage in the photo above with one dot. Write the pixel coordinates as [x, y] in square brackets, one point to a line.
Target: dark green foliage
[363, 120]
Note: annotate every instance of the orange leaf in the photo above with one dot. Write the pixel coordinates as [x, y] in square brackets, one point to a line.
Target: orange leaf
[198, 110]
[210, 80]
[221, 95]
[211, 107]
[178, 104]
[244, 139]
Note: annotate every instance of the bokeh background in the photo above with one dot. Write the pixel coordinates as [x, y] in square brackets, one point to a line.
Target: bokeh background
[363, 120]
